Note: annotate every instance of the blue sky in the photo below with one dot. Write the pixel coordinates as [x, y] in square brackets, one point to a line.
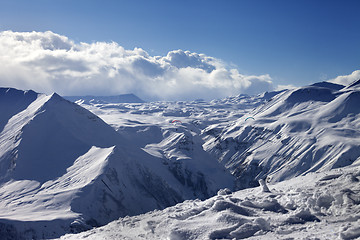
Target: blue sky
[295, 42]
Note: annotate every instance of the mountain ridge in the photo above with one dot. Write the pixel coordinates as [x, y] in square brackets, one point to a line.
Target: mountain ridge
[293, 134]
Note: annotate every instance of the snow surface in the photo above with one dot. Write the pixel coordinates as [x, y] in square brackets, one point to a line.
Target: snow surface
[315, 206]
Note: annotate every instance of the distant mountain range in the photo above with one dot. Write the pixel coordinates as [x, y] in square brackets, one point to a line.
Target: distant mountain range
[122, 98]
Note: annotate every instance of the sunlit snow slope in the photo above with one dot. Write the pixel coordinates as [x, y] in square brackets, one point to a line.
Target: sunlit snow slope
[298, 131]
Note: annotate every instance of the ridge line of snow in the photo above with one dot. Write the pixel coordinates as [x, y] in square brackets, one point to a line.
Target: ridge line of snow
[8, 139]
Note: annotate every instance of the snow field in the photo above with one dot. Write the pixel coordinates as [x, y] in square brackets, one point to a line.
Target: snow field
[316, 206]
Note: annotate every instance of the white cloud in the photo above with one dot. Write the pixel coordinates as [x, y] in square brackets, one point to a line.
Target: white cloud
[283, 87]
[347, 79]
[48, 62]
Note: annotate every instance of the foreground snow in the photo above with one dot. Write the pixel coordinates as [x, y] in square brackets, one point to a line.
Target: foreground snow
[316, 206]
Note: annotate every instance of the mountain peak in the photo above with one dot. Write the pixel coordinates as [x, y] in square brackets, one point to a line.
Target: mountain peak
[330, 85]
[56, 97]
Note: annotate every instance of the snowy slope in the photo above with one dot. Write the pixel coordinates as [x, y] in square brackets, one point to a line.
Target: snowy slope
[298, 131]
[63, 169]
[49, 134]
[316, 206]
[50, 194]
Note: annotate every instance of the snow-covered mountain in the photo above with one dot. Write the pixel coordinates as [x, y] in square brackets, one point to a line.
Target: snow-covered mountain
[277, 135]
[301, 145]
[64, 169]
[298, 131]
[108, 160]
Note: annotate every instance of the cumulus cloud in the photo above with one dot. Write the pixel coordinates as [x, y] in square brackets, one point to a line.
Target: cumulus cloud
[48, 62]
[347, 79]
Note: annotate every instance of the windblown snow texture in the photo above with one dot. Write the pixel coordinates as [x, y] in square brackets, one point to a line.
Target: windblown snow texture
[316, 206]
